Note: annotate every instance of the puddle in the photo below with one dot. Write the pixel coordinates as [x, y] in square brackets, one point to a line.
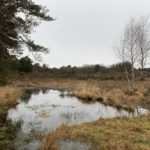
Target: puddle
[42, 111]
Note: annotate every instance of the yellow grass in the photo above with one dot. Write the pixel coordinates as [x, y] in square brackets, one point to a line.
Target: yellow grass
[110, 92]
[108, 134]
[114, 134]
[9, 96]
[50, 143]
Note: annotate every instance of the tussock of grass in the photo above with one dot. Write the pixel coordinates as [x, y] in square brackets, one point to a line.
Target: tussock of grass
[9, 95]
[51, 142]
[114, 134]
[8, 98]
[91, 94]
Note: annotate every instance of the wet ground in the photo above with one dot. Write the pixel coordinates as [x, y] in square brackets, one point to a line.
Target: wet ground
[42, 111]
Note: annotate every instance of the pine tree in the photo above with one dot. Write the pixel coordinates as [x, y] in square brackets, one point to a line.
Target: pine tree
[17, 20]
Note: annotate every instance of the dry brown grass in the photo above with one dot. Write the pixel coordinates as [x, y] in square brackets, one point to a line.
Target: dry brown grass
[110, 92]
[9, 96]
[109, 134]
[50, 142]
[114, 134]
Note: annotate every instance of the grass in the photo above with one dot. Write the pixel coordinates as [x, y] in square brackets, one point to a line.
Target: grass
[8, 98]
[50, 143]
[107, 134]
[8, 134]
[114, 93]
[9, 94]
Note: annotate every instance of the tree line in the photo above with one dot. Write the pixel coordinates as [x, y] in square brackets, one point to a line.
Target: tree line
[112, 72]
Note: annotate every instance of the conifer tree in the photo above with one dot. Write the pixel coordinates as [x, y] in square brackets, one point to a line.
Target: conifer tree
[17, 20]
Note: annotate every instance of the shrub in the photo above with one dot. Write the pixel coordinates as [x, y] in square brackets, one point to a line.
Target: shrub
[25, 65]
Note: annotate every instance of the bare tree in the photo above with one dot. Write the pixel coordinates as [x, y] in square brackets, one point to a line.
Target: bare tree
[120, 49]
[143, 42]
[134, 46]
[127, 50]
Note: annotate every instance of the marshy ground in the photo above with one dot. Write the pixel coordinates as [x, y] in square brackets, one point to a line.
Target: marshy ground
[106, 134]
[114, 134]
[111, 92]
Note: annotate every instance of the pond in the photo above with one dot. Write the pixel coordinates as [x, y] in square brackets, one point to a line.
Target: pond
[42, 111]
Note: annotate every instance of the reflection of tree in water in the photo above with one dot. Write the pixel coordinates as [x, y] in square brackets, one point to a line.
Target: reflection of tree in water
[36, 91]
[44, 91]
[29, 135]
[26, 95]
[109, 111]
[64, 93]
[74, 117]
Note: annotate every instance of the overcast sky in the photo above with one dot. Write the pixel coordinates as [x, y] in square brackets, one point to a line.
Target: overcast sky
[85, 30]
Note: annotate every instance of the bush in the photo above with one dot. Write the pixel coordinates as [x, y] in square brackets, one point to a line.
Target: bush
[25, 65]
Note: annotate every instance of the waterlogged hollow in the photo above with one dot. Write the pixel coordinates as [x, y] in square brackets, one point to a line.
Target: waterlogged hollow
[42, 111]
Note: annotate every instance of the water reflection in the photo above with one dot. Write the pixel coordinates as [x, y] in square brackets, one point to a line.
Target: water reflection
[27, 93]
[45, 110]
[72, 145]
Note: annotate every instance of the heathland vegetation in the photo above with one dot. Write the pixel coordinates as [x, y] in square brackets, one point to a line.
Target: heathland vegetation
[125, 85]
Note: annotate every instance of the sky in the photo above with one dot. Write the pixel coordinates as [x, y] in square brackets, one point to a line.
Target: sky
[85, 31]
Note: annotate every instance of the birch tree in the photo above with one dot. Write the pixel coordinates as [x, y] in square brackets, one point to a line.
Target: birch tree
[134, 46]
[143, 42]
[128, 51]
